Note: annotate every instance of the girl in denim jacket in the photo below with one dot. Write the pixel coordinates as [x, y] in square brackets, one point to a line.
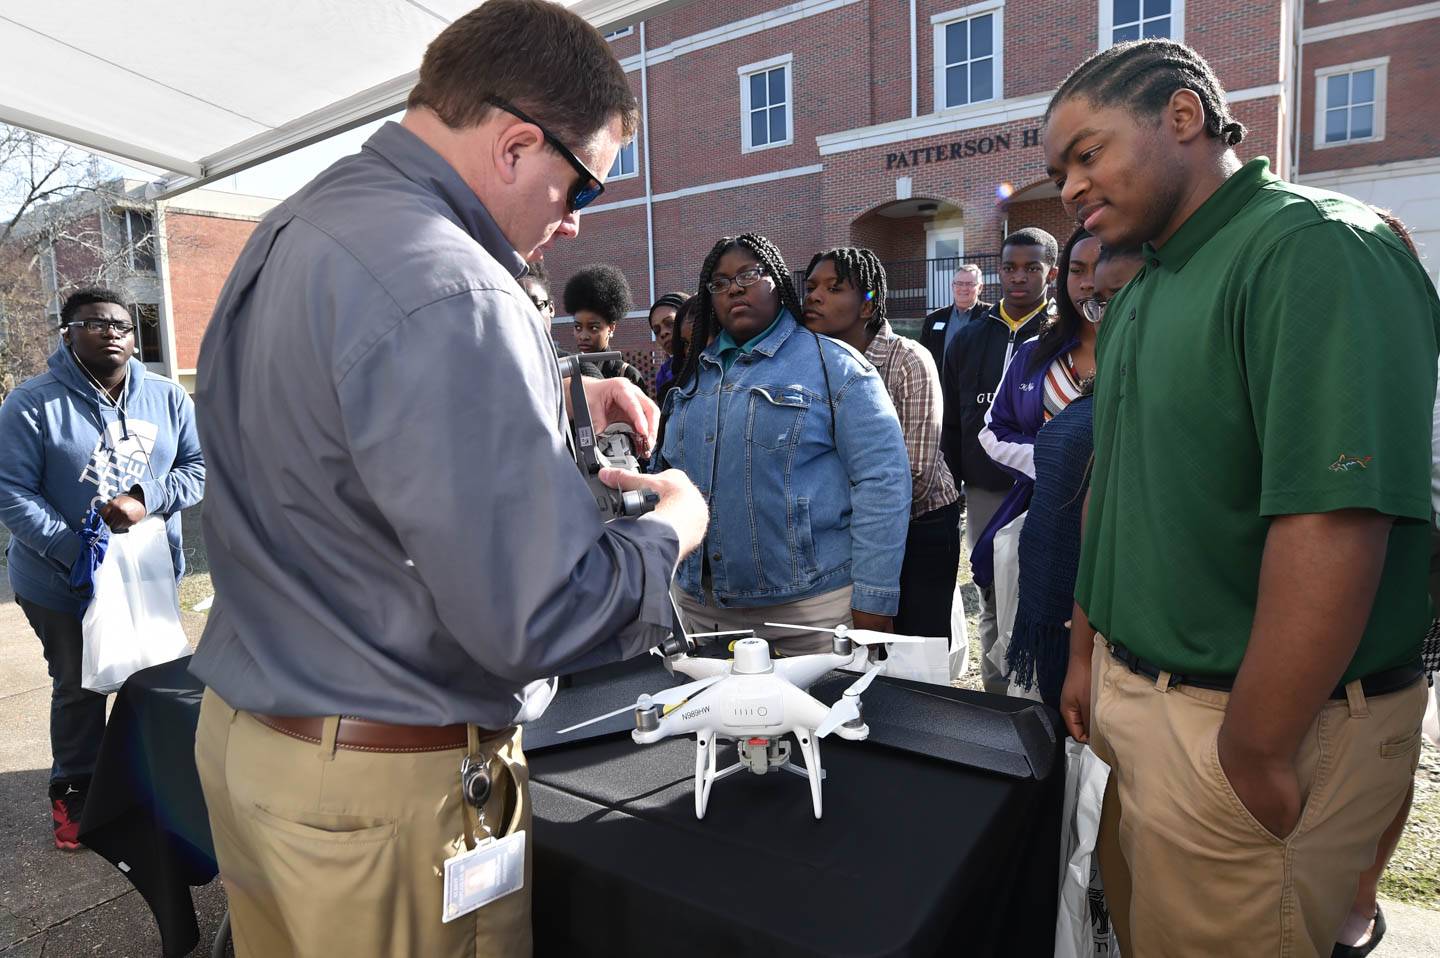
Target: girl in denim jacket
[794, 442]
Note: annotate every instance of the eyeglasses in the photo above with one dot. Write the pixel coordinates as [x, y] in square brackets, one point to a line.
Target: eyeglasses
[1093, 308]
[104, 325]
[745, 278]
[586, 189]
[544, 305]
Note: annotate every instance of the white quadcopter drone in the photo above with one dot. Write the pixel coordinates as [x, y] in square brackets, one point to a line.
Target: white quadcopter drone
[757, 701]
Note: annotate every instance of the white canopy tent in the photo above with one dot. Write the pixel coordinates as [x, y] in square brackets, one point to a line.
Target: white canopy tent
[205, 88]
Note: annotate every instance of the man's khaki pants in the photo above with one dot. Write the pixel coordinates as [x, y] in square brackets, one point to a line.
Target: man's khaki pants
[328, 851]
[824, 611]
[1187, 869]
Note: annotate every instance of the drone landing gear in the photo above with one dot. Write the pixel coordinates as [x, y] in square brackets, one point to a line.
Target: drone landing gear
[758, 755]
[810, 748]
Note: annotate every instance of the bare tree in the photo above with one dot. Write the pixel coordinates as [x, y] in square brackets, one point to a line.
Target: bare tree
[66, 220]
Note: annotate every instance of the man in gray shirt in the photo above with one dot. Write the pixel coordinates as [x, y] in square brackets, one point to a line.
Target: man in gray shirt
[402, 546]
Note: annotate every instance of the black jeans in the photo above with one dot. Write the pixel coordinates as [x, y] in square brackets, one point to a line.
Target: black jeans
[77, 716]
[927, 577]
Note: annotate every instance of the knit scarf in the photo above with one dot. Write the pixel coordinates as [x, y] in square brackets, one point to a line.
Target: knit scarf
[1050, 551]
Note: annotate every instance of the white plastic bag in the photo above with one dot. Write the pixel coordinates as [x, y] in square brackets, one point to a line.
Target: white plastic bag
[959, 635]
[1431, 724]
[940, 659]
[1082, 927]
[1007, 600]
[133, 621]
[927, 661]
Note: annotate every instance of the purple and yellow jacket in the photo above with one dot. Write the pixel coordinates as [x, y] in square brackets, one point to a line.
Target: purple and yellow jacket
[1011, 424]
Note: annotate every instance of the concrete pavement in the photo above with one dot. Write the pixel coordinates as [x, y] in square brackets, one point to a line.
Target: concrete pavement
[58, 904]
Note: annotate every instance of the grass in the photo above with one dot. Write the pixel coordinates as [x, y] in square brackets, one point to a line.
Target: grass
[1413, 876]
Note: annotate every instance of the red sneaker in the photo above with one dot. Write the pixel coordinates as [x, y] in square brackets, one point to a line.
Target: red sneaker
[67, 804]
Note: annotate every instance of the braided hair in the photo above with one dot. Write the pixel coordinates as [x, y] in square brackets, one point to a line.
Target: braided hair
[707, 324]
[862, 268]
[1142, 76]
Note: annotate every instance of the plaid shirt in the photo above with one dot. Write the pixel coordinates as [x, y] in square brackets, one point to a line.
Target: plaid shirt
[914, 386]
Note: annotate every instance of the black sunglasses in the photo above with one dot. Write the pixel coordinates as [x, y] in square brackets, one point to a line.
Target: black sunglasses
[586, 189]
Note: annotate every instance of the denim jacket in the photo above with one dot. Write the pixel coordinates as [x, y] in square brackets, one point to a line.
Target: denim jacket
[793, 512]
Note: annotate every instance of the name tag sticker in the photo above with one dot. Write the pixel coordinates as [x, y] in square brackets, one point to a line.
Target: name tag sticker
[938, 326]
[491, 870]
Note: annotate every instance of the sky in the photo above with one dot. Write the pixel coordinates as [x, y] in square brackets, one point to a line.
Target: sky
[283, 175]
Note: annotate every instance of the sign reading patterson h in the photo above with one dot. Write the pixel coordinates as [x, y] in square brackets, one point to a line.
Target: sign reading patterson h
[959, 150]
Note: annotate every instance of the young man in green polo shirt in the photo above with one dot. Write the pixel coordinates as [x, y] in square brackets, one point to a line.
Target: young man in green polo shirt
[1255, 552]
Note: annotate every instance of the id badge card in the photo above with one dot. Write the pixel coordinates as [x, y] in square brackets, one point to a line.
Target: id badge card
[491, 870]
[938, 326]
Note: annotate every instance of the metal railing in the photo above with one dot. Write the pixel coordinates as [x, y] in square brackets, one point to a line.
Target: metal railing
[918, 286]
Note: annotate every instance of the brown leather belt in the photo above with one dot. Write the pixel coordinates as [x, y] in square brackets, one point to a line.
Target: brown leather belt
[363, 735]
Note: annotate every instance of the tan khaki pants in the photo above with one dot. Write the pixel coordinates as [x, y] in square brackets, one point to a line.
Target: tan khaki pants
[1188, 870]
[826, 610]
[328, 851]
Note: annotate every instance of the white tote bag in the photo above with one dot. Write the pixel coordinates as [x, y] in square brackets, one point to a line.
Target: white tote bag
[1082, 927]
[133, 621]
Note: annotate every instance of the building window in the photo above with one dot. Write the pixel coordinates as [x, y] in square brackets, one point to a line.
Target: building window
[147, 332]
[1123, 20]
[139, 240]
[765, 95]
[968, 54]
[1350, 103]
[617, 34]
[624, 165]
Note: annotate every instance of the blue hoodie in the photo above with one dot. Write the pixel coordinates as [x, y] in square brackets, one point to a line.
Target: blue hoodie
[64, 446]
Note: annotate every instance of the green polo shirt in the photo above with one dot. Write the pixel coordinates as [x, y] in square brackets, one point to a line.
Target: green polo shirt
[1276, 357]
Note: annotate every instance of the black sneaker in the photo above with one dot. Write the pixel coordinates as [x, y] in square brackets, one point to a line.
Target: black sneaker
[67, 804]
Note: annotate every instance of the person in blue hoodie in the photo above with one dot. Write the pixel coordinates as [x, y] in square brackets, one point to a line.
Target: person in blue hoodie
[96, 429]
[793, 441]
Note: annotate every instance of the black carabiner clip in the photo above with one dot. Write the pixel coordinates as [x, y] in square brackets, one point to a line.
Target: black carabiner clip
[475, 782]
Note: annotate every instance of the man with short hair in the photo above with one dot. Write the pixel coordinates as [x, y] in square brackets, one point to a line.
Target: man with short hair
[403, 548]
[943, 324]
[975, 363]
[1255, 554]
[95, 429]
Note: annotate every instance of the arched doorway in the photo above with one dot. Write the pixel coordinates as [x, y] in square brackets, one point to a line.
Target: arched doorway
[1039, 205]
[921, 241]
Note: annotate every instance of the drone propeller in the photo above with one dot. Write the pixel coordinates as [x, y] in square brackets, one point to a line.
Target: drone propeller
[847, 707]
[673, 696]
[713, 635]
[858, 636]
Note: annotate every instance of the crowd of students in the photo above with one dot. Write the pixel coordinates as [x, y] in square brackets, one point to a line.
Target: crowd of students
[1223, 464]
[834, 475]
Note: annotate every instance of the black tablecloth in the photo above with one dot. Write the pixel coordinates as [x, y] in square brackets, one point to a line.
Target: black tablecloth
[145, 813]
[915, 855]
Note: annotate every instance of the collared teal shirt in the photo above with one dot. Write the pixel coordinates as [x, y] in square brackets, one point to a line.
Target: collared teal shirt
[728, 350]
[1276, 356]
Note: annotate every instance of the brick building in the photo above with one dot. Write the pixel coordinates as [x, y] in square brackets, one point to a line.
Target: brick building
[202, 233]
[914, 128]
[168, 260]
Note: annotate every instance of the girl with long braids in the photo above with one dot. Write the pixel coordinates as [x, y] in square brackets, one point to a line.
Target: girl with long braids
[845, 298]
[795, 445]
[1049, 549]
[1043, 378]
